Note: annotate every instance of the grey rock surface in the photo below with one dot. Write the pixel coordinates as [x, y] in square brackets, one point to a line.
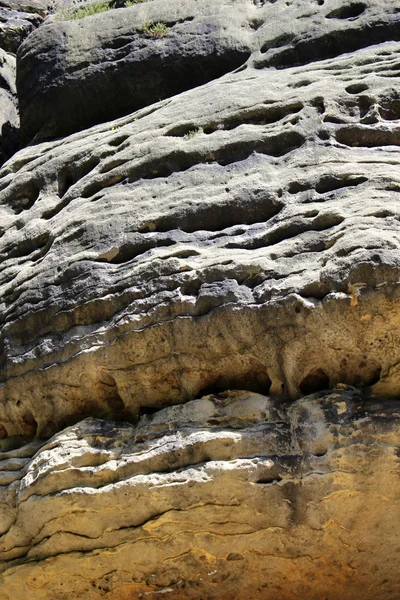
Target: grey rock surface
[243, 234]
[18, 18]
[73, 74]
[229, 496]
[9, 118]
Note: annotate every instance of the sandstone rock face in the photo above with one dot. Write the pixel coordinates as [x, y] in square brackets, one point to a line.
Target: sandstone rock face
[199, 307]
[204, 244]
[9, 119]
[233, 496]
[18, 18]
[117, 56]
[66, 67]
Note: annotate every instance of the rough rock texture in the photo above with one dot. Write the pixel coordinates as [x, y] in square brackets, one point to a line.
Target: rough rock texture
[145, 264]
[242, 235]
[18, 18]
[9, 119]
[234, 496]
[66, 67]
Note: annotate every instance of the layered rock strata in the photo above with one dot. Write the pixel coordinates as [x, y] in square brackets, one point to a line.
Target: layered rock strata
[233, 495]
[242, 235]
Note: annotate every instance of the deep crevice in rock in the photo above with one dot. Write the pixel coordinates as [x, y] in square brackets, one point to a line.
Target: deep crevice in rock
[333, 44]
[348, 11]
[255, 381]
[316, 381]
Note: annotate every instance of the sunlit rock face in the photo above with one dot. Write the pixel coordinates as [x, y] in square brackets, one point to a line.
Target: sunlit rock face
[227, 496]
[244, 234]
[199, 305]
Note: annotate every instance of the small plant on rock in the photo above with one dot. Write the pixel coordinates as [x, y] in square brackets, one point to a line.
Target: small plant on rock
[130, 3]
[192, 133]
[155, 29]
[85, 11]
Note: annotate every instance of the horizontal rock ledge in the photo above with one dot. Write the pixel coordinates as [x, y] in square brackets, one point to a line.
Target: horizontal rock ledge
[287, 348]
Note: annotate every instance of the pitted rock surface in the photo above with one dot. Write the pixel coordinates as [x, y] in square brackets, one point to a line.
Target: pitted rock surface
[243, 234]
[65, 67]
[240, 235]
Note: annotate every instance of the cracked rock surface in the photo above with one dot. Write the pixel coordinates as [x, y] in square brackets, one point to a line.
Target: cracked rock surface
[199, 305]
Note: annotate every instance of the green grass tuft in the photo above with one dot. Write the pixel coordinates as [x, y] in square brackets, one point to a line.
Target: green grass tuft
[84, 11]
[130, 3]
[155, 29]
[192, 133]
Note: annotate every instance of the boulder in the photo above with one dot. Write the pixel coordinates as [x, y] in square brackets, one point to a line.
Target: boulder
[75, 73]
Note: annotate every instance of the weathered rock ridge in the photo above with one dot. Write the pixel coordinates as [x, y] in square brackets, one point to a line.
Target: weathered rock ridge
[199, 303]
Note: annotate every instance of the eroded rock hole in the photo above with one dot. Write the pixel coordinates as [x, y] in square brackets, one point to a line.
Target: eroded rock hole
[320, 453]
[183, 130]
[316, 381]
[277, 42]
[302, 83]
[372, 376]
[26, 198]
[356, 88]
[351, 11]
[253, 381]
[117, 141]
[269, 480]
[368, 137]
[258, 206]
[319, 104]
[29, 246]
[331, 183]
[30, 424]
[333, 119]
[65, 180]
[297, 186]
[390, 110]
[148, 410]
[129, 251]
[68, 176]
